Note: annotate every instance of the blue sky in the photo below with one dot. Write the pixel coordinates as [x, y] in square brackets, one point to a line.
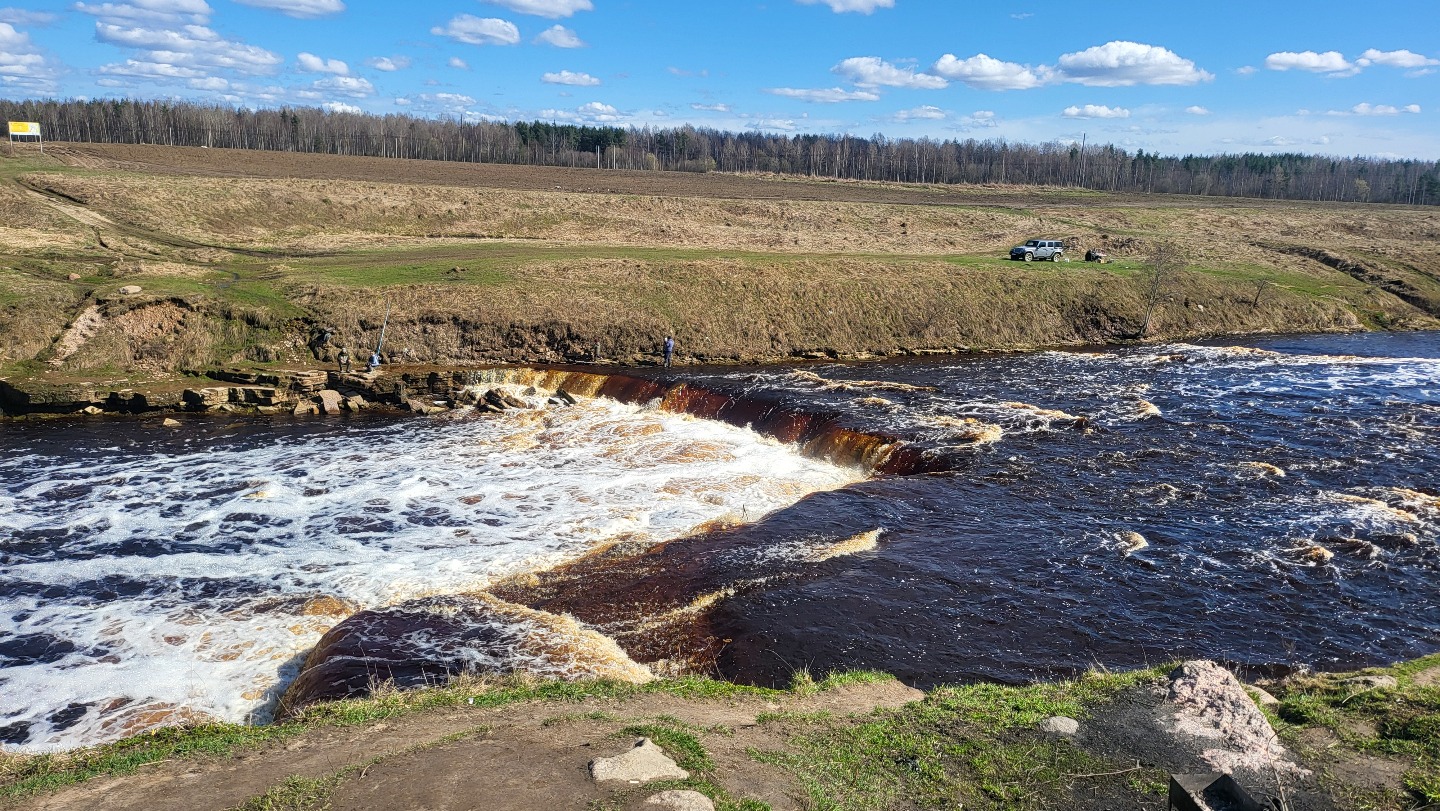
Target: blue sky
[1322, 76]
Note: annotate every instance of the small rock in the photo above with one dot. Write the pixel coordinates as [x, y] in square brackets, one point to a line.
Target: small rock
[1060, 725]
[301, 409]
[644, 762]
[418, 406]
[1372, 682]
[354, 403]
[680, 801]
[1262, 698]
[92, 410]
[74, 277]
[566, 396]
[170, 422]
[129, 290]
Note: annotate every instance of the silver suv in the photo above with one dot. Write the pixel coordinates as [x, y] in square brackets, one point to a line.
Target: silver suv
[1051, 249]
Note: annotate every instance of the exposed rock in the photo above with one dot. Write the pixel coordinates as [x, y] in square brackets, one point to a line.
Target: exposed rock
[74, 277]
[419, 406]
[1211, 703]
[170, 422]
[1132, 542]
[92, 410]
[1262, 697]
[207, 397]
[513, 402]
[566, 396]
[330, 401]
[354, 403]
[680, 801]
[642, 763]
[496, 398]
[305, 409]
[1060, 725]
[327, 606]
[129, 290]
[1381, 682]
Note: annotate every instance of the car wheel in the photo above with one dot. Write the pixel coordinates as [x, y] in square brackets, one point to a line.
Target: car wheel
[1029, 257]
[1055, 257]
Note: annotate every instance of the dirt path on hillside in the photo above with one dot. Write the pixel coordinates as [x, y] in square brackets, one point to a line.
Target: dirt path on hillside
[524, 757]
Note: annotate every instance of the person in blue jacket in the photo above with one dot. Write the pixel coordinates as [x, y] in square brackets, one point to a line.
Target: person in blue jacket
[669, 349]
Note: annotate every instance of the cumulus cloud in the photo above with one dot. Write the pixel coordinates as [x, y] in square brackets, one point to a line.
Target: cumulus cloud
[458, 63]
[987, 73]
[592, 113]
[560, 37]
[1245, 70]
[1332, 63]
[872, 71]
[313, 64]
[149, 12]
[1197, 110]
[388, 64]
[1095, 111]
[1396, 59]
[159, 71]
[554, 9]
[300, 9]
[341, 107]
[713, 108]
[923, 113]
[472, 30]
[861, 6]
[189, 46]
[352, 86]
[23, 68]
[570, 78]
[22, 16]
[832, 95]
[1121, 64]
[1365, 108]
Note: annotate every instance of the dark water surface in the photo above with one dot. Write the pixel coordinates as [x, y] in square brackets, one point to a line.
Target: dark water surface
[1274, 505]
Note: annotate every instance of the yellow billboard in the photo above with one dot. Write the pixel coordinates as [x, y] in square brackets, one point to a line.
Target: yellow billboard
[25, 128]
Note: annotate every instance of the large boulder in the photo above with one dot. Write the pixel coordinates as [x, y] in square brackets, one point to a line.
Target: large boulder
[642, 763]
[1211, 704]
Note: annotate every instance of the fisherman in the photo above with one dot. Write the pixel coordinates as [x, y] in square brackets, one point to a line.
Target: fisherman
[669, 349]
[344, 359]
[374, 361]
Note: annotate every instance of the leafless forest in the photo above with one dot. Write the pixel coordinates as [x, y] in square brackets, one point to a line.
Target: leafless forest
[1283, 176]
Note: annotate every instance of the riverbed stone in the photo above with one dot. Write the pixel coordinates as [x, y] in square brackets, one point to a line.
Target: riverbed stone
[330, 401]
[129, 290]
[680, 801]
[1372, 682]
[1060, 725]
[170, 422]
[642, 763]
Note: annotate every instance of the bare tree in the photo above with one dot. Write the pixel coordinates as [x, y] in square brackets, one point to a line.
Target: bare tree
[1164, 263]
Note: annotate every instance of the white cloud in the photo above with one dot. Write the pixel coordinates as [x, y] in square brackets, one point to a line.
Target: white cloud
[570, 78]
[138, 69]
[211, 84]
[313, 64]
[472, 30]
[1245, 70]
[1397, 59]
[1121, 64]
[713, 108]
[560, 37]
[300, 9]
[1332, 63]
[674, 71]
[352, 86]
[591, 113]
[830, 96]
[871, 71]
[22, 16]
[196, 12]
[341, 107]
[190, 46]
[458, 63]
[986, 73]
[1024, 15]
[388, 64]
[922, 113]
[23, 68]
[1365, 108]
[1095, 111]
[1197, 110]
[554, 9]
[980, 118]
[862, 6]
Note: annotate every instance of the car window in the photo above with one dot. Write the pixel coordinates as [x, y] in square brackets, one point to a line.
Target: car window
[1032, 243]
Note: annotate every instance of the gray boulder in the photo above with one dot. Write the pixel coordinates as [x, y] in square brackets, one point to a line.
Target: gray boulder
[1060, 725]
[680, 801]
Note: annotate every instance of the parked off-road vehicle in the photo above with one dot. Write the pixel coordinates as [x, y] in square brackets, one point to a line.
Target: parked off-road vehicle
[1052, 249]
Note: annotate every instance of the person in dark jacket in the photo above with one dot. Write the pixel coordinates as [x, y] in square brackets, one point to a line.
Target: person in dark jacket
[669, 349]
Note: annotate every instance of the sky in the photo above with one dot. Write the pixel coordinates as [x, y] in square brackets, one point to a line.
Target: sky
[1321, 76]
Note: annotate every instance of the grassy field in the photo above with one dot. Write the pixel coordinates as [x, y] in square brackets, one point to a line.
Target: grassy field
[243, 258]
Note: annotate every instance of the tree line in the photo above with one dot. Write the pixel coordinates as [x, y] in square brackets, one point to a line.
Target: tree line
[1286, 176]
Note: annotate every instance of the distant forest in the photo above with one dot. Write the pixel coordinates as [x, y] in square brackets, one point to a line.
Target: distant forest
[1286, 176]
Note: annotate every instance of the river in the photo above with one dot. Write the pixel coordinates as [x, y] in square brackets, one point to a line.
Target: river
[1272, 505]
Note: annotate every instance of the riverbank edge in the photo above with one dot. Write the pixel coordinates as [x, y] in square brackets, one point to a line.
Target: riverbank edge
[1373, 719]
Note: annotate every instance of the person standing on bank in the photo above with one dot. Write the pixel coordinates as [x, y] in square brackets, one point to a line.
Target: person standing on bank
[344, 359]
[669, 349]
[374, 361]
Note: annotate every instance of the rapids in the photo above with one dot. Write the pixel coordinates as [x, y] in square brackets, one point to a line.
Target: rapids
[1273, 505]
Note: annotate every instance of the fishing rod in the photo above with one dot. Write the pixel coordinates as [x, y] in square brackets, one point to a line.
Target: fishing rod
[383, 325]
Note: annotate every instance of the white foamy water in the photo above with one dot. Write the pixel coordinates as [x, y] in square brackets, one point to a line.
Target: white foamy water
[151, 588]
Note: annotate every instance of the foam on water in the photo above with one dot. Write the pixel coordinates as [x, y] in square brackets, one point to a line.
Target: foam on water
[145, 587]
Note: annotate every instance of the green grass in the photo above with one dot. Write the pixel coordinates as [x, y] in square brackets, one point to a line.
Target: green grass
[1402, 723]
